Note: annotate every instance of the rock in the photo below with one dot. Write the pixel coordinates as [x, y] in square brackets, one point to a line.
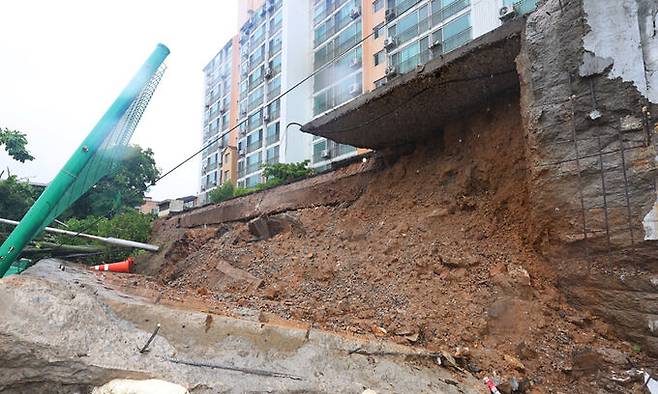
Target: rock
[264, 227]
[129, 386]
[514, 362]
[379, 331]
[412, 337]
[259, 228]
[525, 352]
[272, 293]
[438, 213]
[588, 360]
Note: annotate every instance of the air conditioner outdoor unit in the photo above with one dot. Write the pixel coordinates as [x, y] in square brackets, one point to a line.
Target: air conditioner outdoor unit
[222, 108]
[506, 13]
[355, 13]
[325, 153]
[436, 44]
[241, 152]
[389, 42]
[391, 71]
[355, 89]
[266, 117]
[389, 15]
[268, 73]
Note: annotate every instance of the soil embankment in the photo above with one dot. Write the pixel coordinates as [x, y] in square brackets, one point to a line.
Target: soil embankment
[433, 254]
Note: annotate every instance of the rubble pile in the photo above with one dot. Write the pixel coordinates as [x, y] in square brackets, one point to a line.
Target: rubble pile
[433, 255]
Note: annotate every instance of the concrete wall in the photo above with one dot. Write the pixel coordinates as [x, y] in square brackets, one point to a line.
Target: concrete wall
[343, 185]
[591, 144]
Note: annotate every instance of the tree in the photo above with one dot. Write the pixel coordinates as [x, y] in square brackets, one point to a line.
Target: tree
[222, 193]
[15, 144]
[123, 188]
[286, 172]
[17, 198]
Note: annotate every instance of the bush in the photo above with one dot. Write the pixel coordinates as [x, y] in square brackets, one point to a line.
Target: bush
[287, 172]
[222, 193]
[131, 225]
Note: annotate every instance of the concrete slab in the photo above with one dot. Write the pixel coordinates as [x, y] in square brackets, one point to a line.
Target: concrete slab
[419, 103]
[68, 331]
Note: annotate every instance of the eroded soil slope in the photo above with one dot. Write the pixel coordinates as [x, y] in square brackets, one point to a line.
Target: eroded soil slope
[433, 254]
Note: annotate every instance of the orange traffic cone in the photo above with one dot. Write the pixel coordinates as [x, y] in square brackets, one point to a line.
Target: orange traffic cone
[121, 266]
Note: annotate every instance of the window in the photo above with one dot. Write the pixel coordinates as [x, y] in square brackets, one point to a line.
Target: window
[378, 30]
[379, 58]
[272, 133]
[272, 155]
[377, 5]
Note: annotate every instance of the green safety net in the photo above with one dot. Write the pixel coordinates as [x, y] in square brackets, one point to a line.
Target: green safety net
[111, 151]
[97, 156]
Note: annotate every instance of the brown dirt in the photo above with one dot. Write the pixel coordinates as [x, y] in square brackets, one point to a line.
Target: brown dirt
[433, 254]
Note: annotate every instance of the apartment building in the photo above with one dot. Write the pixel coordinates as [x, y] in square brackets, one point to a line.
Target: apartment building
[281, 42]
[274, 56]
[337, 27]
[218, 161]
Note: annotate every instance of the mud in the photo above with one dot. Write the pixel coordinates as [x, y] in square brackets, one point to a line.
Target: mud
[434, 254]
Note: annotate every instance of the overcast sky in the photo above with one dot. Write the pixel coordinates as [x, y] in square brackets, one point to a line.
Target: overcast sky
[62, 63]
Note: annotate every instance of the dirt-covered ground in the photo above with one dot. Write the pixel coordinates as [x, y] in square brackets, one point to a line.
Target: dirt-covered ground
[434, 254]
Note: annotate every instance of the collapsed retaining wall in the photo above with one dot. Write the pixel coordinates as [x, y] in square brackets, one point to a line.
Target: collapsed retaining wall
[587, 79]
[342, 185]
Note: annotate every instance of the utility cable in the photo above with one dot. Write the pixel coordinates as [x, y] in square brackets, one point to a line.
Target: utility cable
[293, 87]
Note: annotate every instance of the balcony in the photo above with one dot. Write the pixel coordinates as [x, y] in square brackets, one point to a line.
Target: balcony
[271, 139]
[457, 40]
[448, 11]
[254, 146]
[401, 6]
[337, 26]
[411, 63]
[253, 167]
[327, 11]
[525, 6]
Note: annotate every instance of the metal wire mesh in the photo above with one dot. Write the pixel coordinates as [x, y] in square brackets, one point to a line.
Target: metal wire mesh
[105, 160]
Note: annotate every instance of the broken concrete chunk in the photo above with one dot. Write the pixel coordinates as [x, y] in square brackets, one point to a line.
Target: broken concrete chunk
[150, 386]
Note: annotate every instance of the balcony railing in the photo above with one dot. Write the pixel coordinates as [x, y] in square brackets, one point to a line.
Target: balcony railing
[271, 139]
[335, 28]
[448, 11]
[251, 168]
[411, 63]
[402, 6]
[331, 8]
[254, 146]
[457, 40]
[525, 6]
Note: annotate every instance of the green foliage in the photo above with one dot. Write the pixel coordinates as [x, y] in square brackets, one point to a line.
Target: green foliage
[131, 224]
[242, 191]
[15, 144]
[287, 172]
[276, 174]
[17, 198]
[270, 183]
[222, 193]
[124, 188]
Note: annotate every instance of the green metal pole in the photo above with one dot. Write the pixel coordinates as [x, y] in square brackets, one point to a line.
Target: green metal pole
[33, 221]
